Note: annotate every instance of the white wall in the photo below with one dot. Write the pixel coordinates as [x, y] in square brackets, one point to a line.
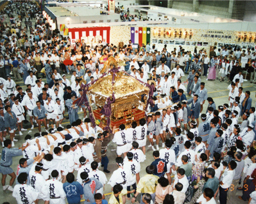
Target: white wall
[81, 19]
[84, 11]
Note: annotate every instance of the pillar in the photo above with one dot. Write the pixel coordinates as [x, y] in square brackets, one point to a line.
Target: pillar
[195, 5]
[230, 8]
[169, 3]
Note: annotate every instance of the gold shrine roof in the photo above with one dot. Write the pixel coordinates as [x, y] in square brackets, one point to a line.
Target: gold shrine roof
[124, 85]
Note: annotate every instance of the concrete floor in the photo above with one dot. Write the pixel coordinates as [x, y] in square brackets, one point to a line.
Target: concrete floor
[216, 89]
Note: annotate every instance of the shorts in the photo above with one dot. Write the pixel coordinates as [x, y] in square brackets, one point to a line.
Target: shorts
[2, 129]
[42, 196]
[5, 170]
[12, 130]
[30, 113]
[142, 143]
[60, 117]
[231, 100]
[51, 116]
[20, 117]
[122, 149]
[150, 135]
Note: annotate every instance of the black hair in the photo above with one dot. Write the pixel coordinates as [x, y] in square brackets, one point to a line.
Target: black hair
[7, 142]
[117, 188]
[66, 148]
[184, 158]
[179, 186]
[168, 143]
[48, 157]
[156, 153]
[82, 159]
[97, 196]
[232, 164]
[84, 175]
[122, 126]
[198, 139]
[169, 199]
[187, 144]
[119, 160]
[211, 172]
[94, 165]
[22, 178]
[208, 192]
[150, 169]
[203, 156]
[135, 145]
[55, 174]
[163, 181]
[57, 150]
[178, 131]
[181, 171]
[70, 177]
[216, 156]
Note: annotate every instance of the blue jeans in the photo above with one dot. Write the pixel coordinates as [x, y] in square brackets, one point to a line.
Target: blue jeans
[7, 71]
[127, 66]
[104, 162]
[134, 187]
[71, 68]
[187, 67]
[205, 69]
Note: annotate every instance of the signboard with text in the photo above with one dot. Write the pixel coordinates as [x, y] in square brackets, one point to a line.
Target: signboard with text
[111, 6]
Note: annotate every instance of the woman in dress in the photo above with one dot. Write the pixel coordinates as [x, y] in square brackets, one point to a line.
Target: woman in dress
[198, 168]
[212, 73]
[168, 62]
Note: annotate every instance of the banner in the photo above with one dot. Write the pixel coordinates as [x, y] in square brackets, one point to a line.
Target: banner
[111, 6]
[140, 35]
[90, 33]
[62, 27]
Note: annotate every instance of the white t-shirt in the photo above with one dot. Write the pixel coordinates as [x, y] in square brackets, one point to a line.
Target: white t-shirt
[253, 196]
[203, 200]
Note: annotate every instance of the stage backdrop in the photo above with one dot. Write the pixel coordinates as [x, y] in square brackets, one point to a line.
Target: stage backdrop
[78, 33]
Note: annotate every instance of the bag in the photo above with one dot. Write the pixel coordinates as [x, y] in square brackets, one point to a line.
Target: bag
[189, 193]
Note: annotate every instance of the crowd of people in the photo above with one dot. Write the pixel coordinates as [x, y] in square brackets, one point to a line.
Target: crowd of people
[199, 156]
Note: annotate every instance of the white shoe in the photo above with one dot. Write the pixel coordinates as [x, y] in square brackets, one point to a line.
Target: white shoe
[15, 140]
[32, 127]
[157, 147]
[154, 149]
[13, 144]
[5, 187]
[185, 132]
[163, 144]
[3, 144]
[20, 133]
[99, 164]
[10, 188]
[149, 145]
[4, 138]
[23, 129]
[61, 126]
